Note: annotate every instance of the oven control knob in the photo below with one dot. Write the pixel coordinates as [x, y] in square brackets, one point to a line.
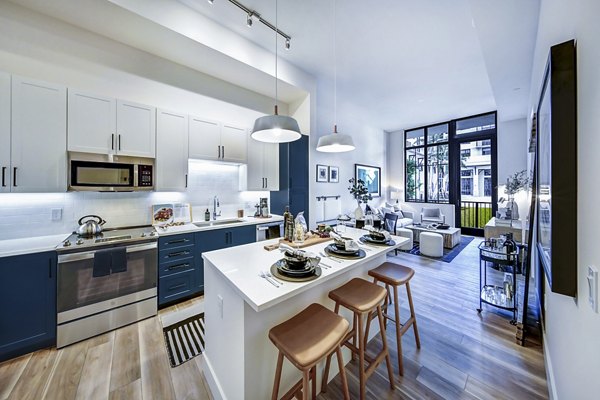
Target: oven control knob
[67, 243]
[79, 241]
[143, 234]
[152, 233]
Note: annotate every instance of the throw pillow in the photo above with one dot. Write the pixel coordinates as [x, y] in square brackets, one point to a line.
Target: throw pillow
[398, 213]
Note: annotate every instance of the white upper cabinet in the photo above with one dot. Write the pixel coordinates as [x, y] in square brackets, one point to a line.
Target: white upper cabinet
[262, 171]
[92, 124]
[234, 143]
[171, 151]
[104, 125]
[136, 130]
[212, 140]
[38, 136]
[205, 139]
[5, 170]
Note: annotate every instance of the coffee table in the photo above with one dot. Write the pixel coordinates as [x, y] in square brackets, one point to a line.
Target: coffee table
[451, 235]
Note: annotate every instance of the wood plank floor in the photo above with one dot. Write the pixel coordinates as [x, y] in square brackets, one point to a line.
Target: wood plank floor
[463, 355]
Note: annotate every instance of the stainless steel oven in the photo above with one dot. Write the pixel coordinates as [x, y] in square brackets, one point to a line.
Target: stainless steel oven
[107, 282]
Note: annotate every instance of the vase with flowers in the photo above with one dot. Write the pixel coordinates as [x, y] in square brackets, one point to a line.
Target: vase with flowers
[514, 184]
[360, 192]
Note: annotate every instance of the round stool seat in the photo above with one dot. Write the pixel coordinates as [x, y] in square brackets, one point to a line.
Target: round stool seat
[392, 274]
[431, 244]
[310, 335]
[358, 295]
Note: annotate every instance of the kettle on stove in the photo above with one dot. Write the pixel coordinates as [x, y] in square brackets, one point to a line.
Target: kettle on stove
[90, 227]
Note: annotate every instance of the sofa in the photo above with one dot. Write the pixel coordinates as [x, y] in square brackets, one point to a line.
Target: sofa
[405, 218]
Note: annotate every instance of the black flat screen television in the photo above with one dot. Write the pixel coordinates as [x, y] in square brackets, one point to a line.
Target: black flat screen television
[556, 186]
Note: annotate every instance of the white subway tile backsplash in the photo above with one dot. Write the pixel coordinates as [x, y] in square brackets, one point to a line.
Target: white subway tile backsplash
[24, 215]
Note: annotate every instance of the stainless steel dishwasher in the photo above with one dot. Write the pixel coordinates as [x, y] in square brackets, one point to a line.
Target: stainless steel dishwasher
[270, 230]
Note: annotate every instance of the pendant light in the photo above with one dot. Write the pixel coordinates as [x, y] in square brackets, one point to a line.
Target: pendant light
[276, 128]
[335, 142]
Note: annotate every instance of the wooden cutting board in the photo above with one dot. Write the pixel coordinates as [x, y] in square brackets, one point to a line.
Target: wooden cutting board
[314, 239]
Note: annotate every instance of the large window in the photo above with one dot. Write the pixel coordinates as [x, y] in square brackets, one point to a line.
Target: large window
[427, 164]
[463, 145]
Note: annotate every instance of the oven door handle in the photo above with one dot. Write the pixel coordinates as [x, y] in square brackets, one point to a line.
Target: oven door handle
[65, 258]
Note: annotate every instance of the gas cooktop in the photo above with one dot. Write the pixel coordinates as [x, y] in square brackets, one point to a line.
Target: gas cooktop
[109, 238]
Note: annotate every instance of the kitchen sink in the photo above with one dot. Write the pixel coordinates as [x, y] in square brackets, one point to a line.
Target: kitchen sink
[218, 223]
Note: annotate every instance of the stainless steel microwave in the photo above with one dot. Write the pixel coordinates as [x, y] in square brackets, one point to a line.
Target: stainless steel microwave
[106, 173]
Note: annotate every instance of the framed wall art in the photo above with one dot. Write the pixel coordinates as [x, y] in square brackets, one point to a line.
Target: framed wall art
[322, 173]
[371, 176]
[334, 174]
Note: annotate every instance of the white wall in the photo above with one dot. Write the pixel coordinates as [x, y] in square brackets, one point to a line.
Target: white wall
[572, 330]
[512, 147]
[370, 149]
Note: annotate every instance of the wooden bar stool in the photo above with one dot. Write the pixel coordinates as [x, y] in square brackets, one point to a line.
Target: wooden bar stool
[363, 298]
[396, 275]
[305, 339]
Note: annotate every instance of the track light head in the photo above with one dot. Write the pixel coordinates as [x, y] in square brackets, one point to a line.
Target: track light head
[211, 1]
[249, 20]
[287, 44]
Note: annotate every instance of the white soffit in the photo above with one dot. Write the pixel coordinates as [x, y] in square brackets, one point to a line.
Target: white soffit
[166, 29]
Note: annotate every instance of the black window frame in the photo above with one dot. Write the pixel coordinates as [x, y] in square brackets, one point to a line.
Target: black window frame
[453, 140]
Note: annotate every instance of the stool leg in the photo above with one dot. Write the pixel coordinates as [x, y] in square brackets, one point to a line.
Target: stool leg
[338, 353]
[305, 379]
[277, 376]
[388, 361]
[369, 317]
[361, 357]
[328, 362]
[398, 334]
[412, 314]
[313, 377]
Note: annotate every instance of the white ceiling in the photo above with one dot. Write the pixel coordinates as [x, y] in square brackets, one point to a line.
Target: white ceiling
[402, 63]
[405, 62]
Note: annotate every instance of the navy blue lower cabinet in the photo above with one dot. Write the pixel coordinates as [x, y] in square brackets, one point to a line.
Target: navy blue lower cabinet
[28, 298]
[178, 269]
[243, 235]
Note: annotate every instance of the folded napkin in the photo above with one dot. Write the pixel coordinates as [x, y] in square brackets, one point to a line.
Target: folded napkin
[296, 252]
[349, 244]
[383, 232]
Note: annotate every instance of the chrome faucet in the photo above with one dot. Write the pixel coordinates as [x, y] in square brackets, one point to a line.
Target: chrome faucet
[216, 206]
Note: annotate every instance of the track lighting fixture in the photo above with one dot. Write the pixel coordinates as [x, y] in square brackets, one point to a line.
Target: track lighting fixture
[252, 16]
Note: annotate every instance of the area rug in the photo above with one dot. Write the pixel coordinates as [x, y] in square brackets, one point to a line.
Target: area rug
[449, 254]
[184, 339]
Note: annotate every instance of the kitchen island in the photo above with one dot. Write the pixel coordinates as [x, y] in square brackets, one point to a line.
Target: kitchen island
[241, 307]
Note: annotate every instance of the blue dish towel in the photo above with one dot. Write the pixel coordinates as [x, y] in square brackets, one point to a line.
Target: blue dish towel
[119, 260]
[102, 263]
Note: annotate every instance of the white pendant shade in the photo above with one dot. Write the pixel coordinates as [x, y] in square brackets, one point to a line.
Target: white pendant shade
[276, 129]
[335, 143]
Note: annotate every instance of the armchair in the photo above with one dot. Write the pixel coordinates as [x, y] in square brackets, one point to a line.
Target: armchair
[432, 215]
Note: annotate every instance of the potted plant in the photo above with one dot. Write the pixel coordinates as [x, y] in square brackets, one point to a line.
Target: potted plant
[361, 194]
[514, 184]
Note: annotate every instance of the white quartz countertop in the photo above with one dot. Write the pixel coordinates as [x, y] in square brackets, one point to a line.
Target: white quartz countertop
[218, 224]
[241, 265]
[36, 244]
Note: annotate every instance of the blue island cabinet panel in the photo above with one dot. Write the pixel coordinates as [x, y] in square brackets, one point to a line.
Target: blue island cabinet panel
[28, 298]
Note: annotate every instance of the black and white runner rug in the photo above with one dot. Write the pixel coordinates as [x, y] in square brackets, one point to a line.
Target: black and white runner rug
[184, 339]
